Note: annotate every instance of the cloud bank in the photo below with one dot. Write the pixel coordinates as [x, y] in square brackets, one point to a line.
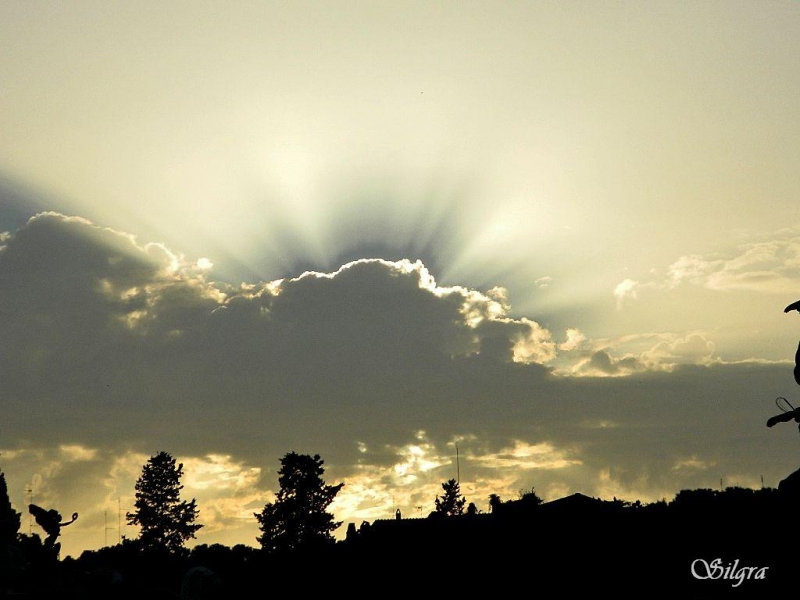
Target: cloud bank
[113, 350]
[766, 267]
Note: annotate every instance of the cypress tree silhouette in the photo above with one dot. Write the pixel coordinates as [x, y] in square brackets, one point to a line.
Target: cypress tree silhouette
[452, 502]
[165, 521]
[298, 518]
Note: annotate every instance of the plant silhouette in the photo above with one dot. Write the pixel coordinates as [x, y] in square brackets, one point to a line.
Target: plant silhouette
[9, 518]
[452, 502]
[299, 518]
[165, 521]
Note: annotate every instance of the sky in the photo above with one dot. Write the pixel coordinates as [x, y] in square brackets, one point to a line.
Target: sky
[557, 236]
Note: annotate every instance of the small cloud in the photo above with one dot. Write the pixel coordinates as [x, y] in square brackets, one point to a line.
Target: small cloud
[204, 264]
[770, 267]
[626, 290]
[575, 339]
[524, 456]
[692, 268]
[77, 453]
[533, 344]
[218, 472]
[692, 464]
[603, 364]
[543, 282]
[498, 293]
[693, 349]
[416, 459]
[635, 354]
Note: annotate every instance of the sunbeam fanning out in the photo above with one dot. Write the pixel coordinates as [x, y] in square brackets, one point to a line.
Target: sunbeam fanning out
[523, 245]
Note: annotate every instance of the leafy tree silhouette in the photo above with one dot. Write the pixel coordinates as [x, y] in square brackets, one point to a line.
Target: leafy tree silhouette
[452, 501]
[165, 521]
[529, 497]
[298, 518]
[494, 503]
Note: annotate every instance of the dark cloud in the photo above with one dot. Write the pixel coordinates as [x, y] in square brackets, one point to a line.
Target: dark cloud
[116, 345]
[602, 362]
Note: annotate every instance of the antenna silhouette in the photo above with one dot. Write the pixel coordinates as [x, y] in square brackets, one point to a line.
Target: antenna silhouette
[29, 491]
[105, 529]
[458, 467]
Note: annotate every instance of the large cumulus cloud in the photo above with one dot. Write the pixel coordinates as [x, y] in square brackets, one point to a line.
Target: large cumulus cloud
[112, 348]
[98, 329]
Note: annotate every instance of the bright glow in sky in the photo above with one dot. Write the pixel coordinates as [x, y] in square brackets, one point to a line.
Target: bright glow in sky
[605, 193]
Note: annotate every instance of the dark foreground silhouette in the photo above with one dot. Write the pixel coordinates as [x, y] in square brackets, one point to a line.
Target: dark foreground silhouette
[703, 544]
[52, 522]
[790, 308]
[788, 412]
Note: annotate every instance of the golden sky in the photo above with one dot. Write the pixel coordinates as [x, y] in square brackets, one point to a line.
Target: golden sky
[584, 218]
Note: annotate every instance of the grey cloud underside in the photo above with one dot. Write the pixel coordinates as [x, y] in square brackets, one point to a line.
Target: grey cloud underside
[364, 355]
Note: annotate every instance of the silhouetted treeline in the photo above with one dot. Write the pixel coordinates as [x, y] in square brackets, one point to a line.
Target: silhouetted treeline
[704, 543]
[577, 543]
